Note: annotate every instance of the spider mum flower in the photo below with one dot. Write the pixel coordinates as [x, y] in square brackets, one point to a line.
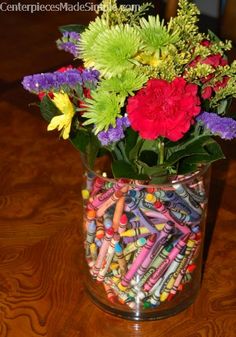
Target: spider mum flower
[102, 110]
[155, 35]
[88, 39]
[115, 50]
[62, 122]
[126, 83]
[164, 109]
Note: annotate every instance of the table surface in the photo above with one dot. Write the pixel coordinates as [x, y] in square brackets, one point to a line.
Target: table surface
[41, 292]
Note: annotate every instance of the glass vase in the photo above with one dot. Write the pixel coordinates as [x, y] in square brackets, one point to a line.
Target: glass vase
[143, 243]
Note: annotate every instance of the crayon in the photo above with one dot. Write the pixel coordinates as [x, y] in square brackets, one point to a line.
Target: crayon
[85, 194]
[109, 202]
[169, 275]
[132, 206]
[140, 231]
[164, 252]
[102, 252]
[164, 265]
[184, 266]
[123, 223]
[163, 210]
[160, 241]
[181, 191]
[91, 230]
[118, 212]
[107, 223]
[110, 294]
[97, 185]
[121, 260]
[139, 259]
[134, 245]
[90, 176]
[93, 251]
[108, 258]
[100, 230]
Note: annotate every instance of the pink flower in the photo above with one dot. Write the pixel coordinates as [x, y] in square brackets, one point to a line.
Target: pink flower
[164, 109]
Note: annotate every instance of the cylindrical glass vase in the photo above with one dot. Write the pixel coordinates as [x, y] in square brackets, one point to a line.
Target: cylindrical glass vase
[143, 243]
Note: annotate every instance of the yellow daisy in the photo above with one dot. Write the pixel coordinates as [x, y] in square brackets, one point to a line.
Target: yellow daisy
[62, 122]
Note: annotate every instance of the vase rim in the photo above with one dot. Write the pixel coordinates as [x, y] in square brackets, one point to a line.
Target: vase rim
[174, 179]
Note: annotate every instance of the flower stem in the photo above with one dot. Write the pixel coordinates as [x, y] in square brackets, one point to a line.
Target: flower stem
[122, 149]
[161, 151]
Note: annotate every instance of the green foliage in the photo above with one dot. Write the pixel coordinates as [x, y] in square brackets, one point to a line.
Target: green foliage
[48, 109]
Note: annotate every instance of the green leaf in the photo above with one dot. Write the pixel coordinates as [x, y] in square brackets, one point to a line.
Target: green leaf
[149, 157]
[48, 109]
[221, 108]
[194, 147]
[131, 137]
[80, 140]
[122, 169]
[72, 28]
[211, 152]
[134, 153]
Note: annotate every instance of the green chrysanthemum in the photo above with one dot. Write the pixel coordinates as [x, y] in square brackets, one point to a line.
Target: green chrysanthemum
[155, 35]
[102, 110]
[88, 40]
[115, 50]
[125, 84]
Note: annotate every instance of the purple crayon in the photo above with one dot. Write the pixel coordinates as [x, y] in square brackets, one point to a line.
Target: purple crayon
[164, 265]
[137, 262]
[132, 207]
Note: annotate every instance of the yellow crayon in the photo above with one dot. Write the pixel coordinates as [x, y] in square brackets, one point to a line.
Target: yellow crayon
[150, 198]
[85, 194]
[93, 251]
[140, 230]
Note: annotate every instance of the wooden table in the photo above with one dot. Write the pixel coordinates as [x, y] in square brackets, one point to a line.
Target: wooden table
[41, 293]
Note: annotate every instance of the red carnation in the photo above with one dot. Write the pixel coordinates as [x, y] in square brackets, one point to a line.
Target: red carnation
[164, 109]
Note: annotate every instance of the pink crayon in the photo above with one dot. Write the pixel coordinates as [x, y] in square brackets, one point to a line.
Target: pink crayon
[98, 184]
[99, 199]
[164, 265]
[102, 252]
[157, 245]
[138, 261]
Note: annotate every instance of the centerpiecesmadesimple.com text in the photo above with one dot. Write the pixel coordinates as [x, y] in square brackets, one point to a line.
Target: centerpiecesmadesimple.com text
[60, 7]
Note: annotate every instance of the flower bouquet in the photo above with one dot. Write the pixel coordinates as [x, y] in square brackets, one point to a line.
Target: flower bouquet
[150, 97]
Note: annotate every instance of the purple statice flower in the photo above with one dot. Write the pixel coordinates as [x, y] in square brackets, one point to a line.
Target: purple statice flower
[59, 80]
[114, 134]
[90, 76]
[69, 42]
[224, 127]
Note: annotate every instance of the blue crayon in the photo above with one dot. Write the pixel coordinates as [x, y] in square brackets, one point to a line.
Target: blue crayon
[177, 202]
[181, 191]
[91, 231]
[107, 222]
